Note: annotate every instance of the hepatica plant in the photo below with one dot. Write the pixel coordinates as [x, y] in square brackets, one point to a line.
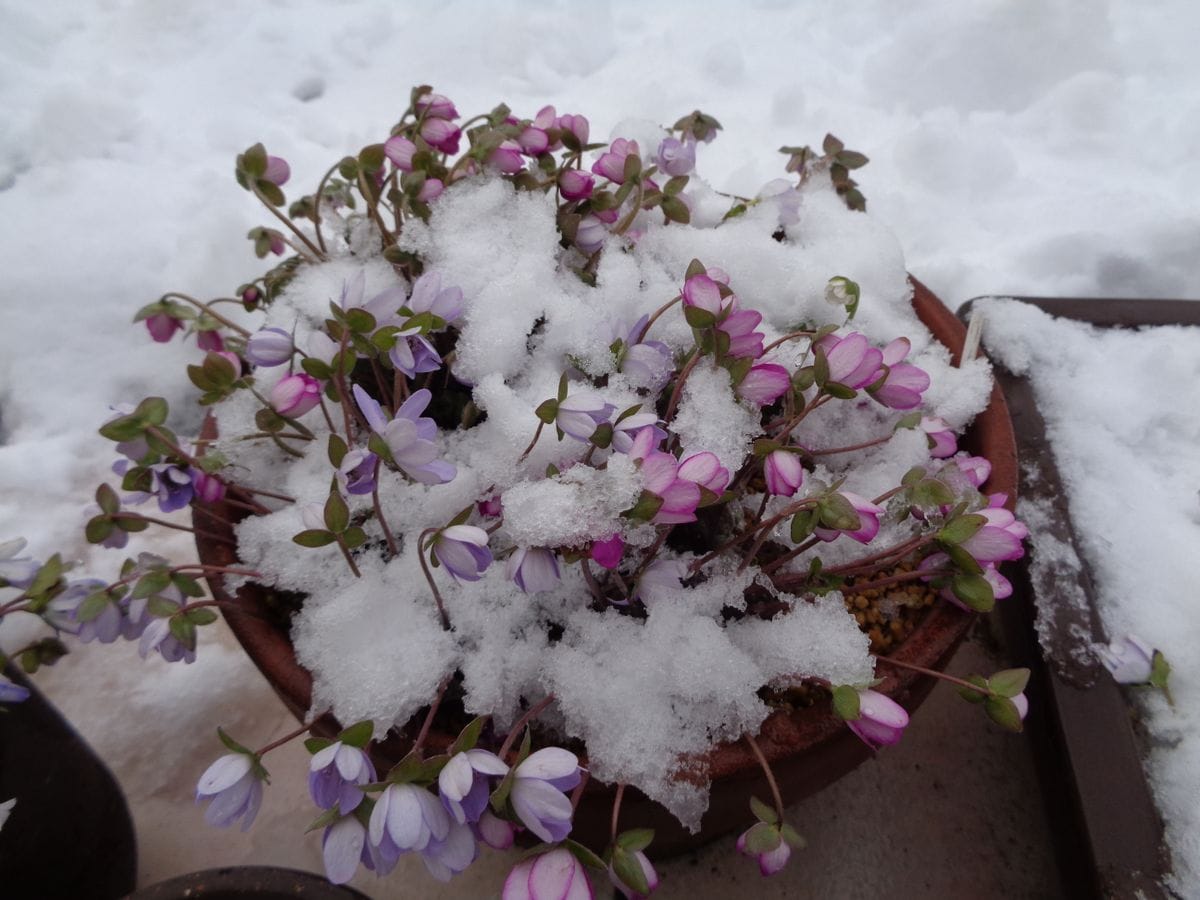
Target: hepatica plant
[564, 450]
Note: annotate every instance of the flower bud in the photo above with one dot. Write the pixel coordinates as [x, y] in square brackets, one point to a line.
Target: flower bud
[295, 395]
[436, 106]
[881, 720]
[278, 171]
[269, 347]
[1129, 659]
[507, 158]
[441, 134]
[162, 327]
[783, 472]
[575, 184]
[676, 157]
[400, 151]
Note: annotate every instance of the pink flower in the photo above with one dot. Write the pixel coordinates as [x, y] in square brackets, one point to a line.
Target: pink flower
[208, 488]
[1001, 586]
[441, 134]
[999, 539]
[764, 384]
[534, 141]
[162, 326]
[783, 472]
[294, 395]
[770, 860]
[278, 171]
[556, 875]
[507, 158]
[611, 163]
[739, 325]
[942, 442]
[881, 721]
[608, 552]
[648, 873]
[575, 184]
[904, 383]
[853, 362]
[701, 291]
[868, 521]
[680, 497]
[705, 470]
[400, 151]
[576, 125]
[430, 190]
[976, 468]
[210, 341]
[435, 106]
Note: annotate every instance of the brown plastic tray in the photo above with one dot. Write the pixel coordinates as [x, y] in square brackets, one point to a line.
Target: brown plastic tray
[1098, 802]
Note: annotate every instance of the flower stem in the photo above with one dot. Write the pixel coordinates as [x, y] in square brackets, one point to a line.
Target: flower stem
[290, 736]
[616, 810]
[762, 761]
[679, 382]
[437, 596]
[317, 204]
[654, 318]
[891, 579]
[933, 673]
[341, 542]
[791, 336]
[289, 225]
[537, 434]
[515, 731]
[204, 307]
[433, 708]
[387, 532]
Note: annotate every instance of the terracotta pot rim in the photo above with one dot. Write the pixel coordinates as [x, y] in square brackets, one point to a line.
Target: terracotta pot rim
[785, 732]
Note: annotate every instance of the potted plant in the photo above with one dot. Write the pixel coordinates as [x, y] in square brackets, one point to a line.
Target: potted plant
[548, 479]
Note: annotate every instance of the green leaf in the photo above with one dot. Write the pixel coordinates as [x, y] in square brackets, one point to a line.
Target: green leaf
[851, 159]
[201, 617]
[792, 837]
[803, 523]
[187, 585]
[98, 529]
[152, 411]
[584, 855]
[562, 387]
[183, 631]
[271, 192]
[763, 812]
[354, 537]
[337, 450]
[699, 318]
[337, 513]
[762, 838]
[358, 735]
[840, 391]
[469, 736]
[315, 745]
[161, 607]
[372, 157]
[92, 606]
[107, 499]
[846, 702]
[838, 513]
[695, 267]
[974, 591]
[629, 870]
[975, 696]
[820, 366]
[126, 428]
[325, 819]
[1004, 713]
[499, 798]
[831, 145]
[602, 436]
[961, 528]
[360, 321]
[645, 509]
[313, 537]
[963, 560]
[1160, 672]
[912, 420]
[547, 412]
[676, 210]
[379, 447]
[639, 838]
[316, 368]
[151, 583]
[47, 576]
[231, 743]
[1009, 682]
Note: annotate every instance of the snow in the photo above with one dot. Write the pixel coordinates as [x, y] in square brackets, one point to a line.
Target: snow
[1125, 449]
[1043, 149]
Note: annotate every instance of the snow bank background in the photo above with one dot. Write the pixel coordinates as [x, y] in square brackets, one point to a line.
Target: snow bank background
[1016, 147]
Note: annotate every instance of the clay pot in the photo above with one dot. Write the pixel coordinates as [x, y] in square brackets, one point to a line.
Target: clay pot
[807, 748]
[248, 883]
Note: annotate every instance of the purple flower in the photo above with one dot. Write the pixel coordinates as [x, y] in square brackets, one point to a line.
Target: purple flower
[764, 384]
[868, 521]
[413, 353]
[441, 135]
[234, 785]
[1129, 659]
[409, 436]
[18, 571]
[769, 861]
[608, 552]
[446, 857]
[590, 233]
[853, 362]
[435, 106]
[676, 157]
[343, 847]
[881, 720]
[556, 875]
[162, 326]
[533, 569]
[942, 442]
[704, 469]
[575, 184]
[400, 151]
[269, 347]
[611, 163]
[356, 474]
[1021, 702]
[902, 386]
[648, 364]
[208, 488]
[63, 610]
[625, 431]
[783, 472]
[158, 636]
[334, 774]
[507, 158]
[648, 872]
[278, 171]
[580, 414]
[173, 486]
[296, 394]
[428, 295]
[464, 783]
[537, 794]
[12, 693]
[405, 817]
[462, 549]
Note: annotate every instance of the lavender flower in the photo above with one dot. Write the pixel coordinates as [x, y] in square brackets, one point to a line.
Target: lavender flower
[1129, 659]
[556, 875]
[533, 569]
[409, 436]
[343, 847]
[269, 347]
[172, 485]
[493, 831]
[464, 783]
[405, 817]
[580, 414]
[12, 693]
[17, 571]
[356, 474]
[278, 171]
[590, 233]
[537, 793]
[334, 774]
[63, 610]
[446, 857]
[413, 354]
[676, 157]
[234, 785]
[428, 295]
[157, 636]
[462, 549]
[626, 430]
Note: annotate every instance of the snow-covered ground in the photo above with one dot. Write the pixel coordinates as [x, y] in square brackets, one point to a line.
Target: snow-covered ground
[1016, 147]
